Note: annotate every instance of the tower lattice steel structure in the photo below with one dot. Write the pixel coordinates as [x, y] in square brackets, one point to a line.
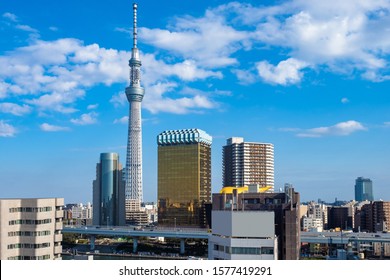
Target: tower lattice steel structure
[135, 94]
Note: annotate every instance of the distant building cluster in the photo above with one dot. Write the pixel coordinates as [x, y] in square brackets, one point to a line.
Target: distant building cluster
[365, 216]
[78, 214]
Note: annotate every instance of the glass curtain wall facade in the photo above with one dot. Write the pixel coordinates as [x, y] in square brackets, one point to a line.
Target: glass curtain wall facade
[108, 192]
[184, 177]
[363, 189]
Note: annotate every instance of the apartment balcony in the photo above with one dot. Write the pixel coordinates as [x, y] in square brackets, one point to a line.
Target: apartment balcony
[59, 213]
[57, 249]
[59, 225]
[58, 238]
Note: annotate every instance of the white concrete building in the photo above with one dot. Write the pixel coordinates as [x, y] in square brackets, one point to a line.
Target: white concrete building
[30, 229]
[81, 211]
[246, 163]
[243, 235]
[312, 224]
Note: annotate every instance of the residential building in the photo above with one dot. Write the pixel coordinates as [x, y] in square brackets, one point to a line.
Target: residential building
[246, 163]
[363, 189]
[30, 228]
[109, 192]
[312, 224]
[285, 208]
[339, 219]
[184, 177]
[375, 216]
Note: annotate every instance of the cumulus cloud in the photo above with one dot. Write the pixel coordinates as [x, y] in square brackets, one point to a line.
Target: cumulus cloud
[52, 128]
[92, 106]
[344, 36]
[344, 100]
[339, 129]
[6, 130]
[208, 40]
[119, 99]
[14, 109]
[54, 75]
[285, 73]
[10, 16]
[123, 120]
[158, 100]
[86, 119]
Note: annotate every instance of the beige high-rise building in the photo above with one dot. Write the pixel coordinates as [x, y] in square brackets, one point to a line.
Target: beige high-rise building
[30, 228]
[247, 163]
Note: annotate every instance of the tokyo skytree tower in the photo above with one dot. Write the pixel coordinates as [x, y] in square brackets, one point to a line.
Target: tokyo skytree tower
[135, 94]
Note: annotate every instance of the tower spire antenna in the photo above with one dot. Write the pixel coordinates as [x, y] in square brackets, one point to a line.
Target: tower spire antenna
[135, 6]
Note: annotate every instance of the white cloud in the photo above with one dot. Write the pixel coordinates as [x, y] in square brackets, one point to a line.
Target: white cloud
[344, 36]
[10, 17]
[339, 129]
[92, 106]
[157, 101]
[119, 99]
[386, 124]
[86, 119]
[54, 75]
[26, 28]
[285, 73]
[52, 128]
[245, 77]
[208, 40]
[344, 100]
[6, 130]
[14, 109]
[123, 120]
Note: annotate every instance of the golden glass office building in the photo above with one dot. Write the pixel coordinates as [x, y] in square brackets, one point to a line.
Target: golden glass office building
[184, 177]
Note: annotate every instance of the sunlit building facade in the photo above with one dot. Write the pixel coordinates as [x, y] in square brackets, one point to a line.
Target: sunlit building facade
[246, 163]
[31, 228]
[184, 177]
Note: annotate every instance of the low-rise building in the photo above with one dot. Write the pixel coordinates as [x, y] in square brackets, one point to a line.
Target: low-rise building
[243, 235]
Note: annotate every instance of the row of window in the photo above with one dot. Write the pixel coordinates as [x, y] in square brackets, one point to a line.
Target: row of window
[28, 245]
[244, 250]
[30, 209]
[29, 233]
[44, 257]
[29, 222]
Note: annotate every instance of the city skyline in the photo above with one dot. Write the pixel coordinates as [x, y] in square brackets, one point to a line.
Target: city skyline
[310, 78]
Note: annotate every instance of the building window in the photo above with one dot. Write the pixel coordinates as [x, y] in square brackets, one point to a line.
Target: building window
[245, 251]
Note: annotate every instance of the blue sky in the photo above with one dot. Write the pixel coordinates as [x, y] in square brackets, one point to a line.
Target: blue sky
[311, 77]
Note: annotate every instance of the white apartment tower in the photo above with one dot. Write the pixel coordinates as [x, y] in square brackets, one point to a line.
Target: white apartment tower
[135, 94]
[246, 163]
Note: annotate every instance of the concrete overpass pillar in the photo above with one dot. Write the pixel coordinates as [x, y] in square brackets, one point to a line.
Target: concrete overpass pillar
[182, 246]
[135, 245]
[92, 242]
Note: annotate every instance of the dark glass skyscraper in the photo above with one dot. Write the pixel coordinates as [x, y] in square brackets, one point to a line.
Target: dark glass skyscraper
[363, 189]
[109, 192]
